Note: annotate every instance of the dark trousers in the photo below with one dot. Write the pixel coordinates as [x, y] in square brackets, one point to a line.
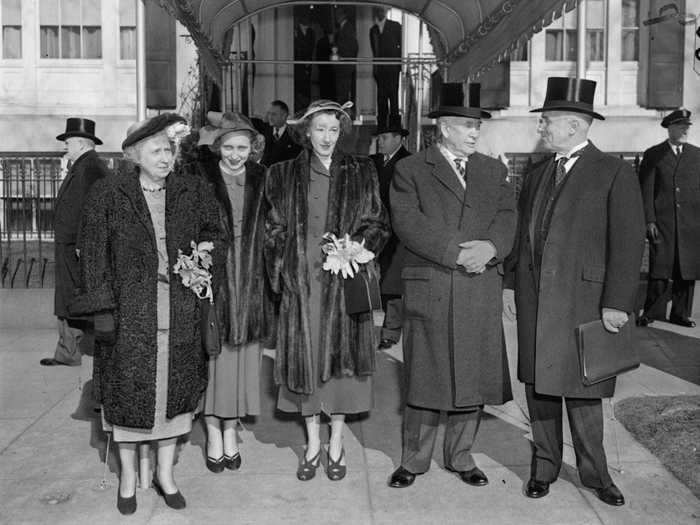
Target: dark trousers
[387, 93]
[420, 429]
[393, 317]
[586, 422]
[682, 292]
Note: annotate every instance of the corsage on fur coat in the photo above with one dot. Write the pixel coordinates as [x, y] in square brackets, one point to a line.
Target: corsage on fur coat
[355, 208]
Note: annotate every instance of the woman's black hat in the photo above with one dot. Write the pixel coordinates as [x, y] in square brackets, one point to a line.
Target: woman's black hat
[80, 127]
[149, 127]
[451, 102]
[570, 94]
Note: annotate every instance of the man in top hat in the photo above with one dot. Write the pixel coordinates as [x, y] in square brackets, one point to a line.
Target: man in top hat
[385, 40]
[86, 168]
[390, 150]
[576, 259]
[279, 145]
[454, 211]
[670, 179]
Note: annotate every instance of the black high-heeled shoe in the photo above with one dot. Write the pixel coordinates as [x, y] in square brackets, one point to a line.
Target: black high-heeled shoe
[174, 501]
[233, 462]
[335, 471]
[216, 465]
[126, 506]
[307, 469]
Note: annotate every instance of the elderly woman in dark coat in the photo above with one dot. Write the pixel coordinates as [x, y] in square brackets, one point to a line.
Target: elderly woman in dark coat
[149, 369]
[242, 294]
[325, 357]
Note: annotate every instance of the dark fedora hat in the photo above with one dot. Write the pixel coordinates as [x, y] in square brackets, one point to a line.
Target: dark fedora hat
[679, 116]
[80, 127]
[451, 102]
[570, 94]
[150, 126]
[392, 126]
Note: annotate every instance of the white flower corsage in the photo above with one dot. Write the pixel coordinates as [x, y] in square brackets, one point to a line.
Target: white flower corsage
[178, 131]
[194, 271]
[344, 255]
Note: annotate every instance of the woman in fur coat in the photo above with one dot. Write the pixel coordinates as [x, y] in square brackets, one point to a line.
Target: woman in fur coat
[325, 357]
[149, 369]
[242, 293]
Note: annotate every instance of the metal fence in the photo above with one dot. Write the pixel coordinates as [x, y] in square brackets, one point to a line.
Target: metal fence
[28, 187]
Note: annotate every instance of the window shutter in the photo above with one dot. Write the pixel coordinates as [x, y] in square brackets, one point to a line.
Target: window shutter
[161, 91]
[665, 72]
[495, 86]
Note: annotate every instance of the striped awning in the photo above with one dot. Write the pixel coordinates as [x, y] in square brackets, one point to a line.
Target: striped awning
[468, 36]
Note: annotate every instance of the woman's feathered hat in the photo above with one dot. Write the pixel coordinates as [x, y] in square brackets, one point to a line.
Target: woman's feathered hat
[323, 105]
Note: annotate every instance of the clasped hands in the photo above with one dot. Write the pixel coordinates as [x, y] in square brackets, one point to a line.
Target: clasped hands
[474, 255]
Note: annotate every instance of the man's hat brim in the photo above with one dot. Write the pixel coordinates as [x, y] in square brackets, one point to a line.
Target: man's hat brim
[572, 107]
[64, 136]
[401, 131]
[459, 111]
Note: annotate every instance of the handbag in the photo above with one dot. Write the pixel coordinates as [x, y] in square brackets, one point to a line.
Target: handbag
[211, 344]
[362, 293]
[602, 354]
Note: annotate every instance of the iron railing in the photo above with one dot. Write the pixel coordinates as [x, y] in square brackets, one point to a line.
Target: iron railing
[29, 183]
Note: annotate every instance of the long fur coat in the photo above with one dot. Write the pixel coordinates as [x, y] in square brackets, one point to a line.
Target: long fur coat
[119, 274]
[355, 208]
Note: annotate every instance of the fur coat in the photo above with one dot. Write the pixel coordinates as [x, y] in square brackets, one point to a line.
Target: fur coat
[245, 314]
[119, 274]
[355, 208]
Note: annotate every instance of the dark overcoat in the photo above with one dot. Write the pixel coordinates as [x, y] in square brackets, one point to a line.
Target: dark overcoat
[386, 44]
[278, 150]
[671, 193]
[391, 257]
[454, 353]
[355, 208]
[591, 260]
[68, 208]
[119, 274]
[245, 314]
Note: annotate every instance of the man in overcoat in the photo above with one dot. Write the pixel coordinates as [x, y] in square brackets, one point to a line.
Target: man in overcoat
[455, 212]
[86, 168]
[390, 150]
[279, 145]
[670, 179]
[385, 41]
[576, 259]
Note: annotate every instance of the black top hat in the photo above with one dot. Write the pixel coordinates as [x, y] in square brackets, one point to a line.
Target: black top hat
[570, 94]
[393, 126]
[679, 116]
[451, 102]
[149, 127]
[80, 127]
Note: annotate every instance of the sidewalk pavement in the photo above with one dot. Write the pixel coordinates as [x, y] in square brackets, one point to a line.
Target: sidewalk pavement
[52, 452]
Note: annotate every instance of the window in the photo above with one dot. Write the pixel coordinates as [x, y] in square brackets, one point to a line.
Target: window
[11, 19]
[630, 30]
[595, 30]
[560, 39]
[127, 30]
[70, 29]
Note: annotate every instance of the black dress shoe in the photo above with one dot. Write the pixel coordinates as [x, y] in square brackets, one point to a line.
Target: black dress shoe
[401, 478]
[50, 361]
[682, 321]
[174, 501]
[216, 465]
[233, 462]
[385, 344]
[474, 477]
[644, 321]
[536, 489]
[610, 495]
[126, 506]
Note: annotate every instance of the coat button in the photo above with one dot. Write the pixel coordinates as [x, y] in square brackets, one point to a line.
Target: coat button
[678, 205]
[678, 190]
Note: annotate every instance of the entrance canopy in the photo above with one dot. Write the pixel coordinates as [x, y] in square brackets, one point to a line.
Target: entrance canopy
[468, 36]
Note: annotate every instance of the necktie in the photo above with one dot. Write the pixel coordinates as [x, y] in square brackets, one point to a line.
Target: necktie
[276, 134]
[678, 151]
[560, 169]
[461, 165]
[386, 159]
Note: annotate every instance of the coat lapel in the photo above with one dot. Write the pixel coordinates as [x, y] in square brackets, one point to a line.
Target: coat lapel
[443, 172]
[132, 189]
[539, 179]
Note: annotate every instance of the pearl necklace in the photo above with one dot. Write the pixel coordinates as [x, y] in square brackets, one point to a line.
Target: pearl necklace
[152, 190]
